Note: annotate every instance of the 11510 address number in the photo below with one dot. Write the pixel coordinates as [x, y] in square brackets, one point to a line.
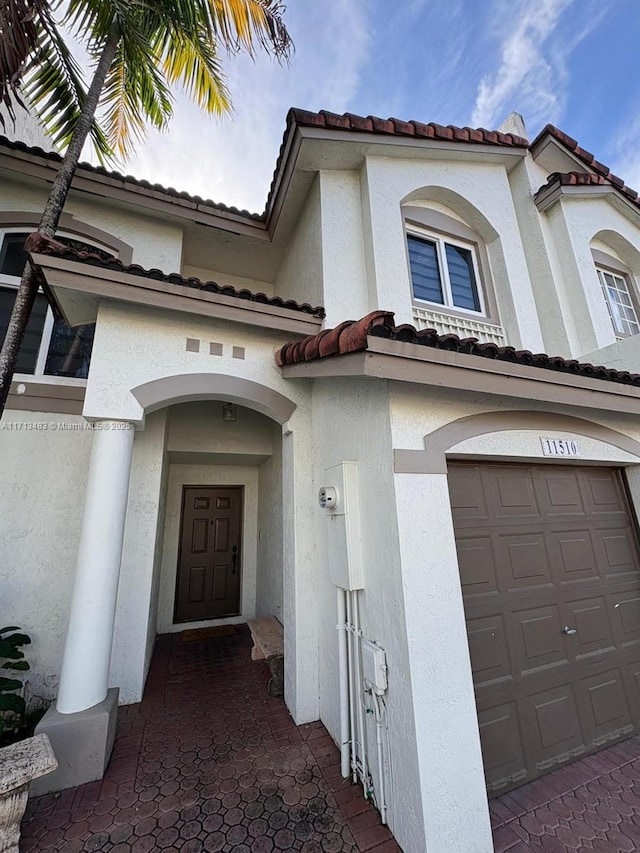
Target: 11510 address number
[560, 447]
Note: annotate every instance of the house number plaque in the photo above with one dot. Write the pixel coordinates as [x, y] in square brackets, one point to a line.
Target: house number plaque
[559, 447]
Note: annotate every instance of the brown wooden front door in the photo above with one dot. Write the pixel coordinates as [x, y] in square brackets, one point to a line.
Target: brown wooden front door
[550, 574]
[208, 582]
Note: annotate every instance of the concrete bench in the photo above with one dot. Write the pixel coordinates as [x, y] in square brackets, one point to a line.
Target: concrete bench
[268, 644]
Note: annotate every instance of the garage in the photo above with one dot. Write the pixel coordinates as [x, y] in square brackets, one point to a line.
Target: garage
[549, 561]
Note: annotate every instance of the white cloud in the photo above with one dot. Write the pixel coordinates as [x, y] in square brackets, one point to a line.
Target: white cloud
[232, 161]
[528, 69]
[626, 154]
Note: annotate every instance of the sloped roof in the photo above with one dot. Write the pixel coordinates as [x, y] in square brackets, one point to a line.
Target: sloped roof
[352, 335]
[371, 125]
[301, 118]
[397, 127]
[587, 179]
[129, 179]
[587, 158]
[38, 244]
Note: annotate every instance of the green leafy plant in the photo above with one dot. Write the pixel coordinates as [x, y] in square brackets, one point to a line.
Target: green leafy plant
[12, 706]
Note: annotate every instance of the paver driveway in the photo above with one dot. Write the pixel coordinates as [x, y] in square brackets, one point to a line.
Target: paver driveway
[592, 804]
[209, 762]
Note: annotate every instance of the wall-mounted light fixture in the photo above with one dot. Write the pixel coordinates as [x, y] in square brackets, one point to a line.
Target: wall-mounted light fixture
[228, 412]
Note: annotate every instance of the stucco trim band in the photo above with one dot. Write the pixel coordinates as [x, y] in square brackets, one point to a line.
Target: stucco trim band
[65, 398]
[186, 388]
[402, 362]
[433, 460]
[121, 188]
[68, 275]
[68, 222]
[548, 196]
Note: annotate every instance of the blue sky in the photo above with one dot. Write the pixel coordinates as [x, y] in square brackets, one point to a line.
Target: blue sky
[468, 62]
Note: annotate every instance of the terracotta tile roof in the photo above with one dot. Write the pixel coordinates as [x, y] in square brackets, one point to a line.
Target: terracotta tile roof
[589, 160]
[37, 244]
[387, 127]
[586, 179]
[397, 127]
[352, 336]
[302, 118]
[129, 179]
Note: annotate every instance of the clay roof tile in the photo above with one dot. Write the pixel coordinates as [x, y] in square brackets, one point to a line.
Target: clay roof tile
[39, 244]
[352, 336]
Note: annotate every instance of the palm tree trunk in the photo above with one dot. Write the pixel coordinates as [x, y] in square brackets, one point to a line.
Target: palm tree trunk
[28, 288]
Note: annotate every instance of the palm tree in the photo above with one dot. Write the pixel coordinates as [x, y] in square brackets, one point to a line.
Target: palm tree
[139, 50]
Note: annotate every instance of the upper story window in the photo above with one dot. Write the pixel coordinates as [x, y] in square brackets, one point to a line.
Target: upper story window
[444, 272]
[450, 273]
[620, 302]
[50, 346]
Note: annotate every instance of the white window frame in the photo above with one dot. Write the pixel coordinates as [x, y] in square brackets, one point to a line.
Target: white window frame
[625, 279]
[440, 240]
[12, 283]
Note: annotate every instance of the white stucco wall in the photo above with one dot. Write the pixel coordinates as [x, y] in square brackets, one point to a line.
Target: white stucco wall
[135, 345]
[155, 242]
[42, 485]
[300, 276]
[487, 196]
[573, 223]
[198, 428]
[239, 282]
[25, 127]
[208, 475]
[343, 264]
[541, 254]
[134, 628]
[269, 592]
[343, 410]
[446, 721]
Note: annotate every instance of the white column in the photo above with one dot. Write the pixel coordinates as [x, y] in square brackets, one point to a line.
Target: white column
[299, 572]
[85, 665]
[456, 814]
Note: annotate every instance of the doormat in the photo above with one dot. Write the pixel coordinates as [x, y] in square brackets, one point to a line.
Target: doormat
[208, 633]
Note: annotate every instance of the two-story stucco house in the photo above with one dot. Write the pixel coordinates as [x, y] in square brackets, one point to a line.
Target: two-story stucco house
[410, 327]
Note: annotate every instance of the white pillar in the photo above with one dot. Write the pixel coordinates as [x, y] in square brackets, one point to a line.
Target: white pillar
[299, 572]
[87, 653]
[454, 795]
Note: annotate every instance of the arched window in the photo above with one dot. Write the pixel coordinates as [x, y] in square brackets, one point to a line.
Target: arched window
[619, 287]
[444, 271]
[450, 273]
[50, 346]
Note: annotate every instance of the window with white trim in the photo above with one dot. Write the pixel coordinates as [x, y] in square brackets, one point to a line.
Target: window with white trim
[620, 302]
[50, 347]
[444, 271]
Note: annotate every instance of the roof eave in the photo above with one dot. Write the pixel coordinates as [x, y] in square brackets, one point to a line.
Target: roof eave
[76, 288]
[407, 362]
[41, 167]
[547, 196]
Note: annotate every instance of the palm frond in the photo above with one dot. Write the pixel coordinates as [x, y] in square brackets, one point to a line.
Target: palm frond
[192, 63]
[241, 24]
[20, 28]
[135, 93]
[53, 84]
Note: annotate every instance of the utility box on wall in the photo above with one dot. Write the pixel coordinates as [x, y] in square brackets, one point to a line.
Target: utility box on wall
[340, 499]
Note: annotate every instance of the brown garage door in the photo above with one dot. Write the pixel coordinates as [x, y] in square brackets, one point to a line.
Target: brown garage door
[548, 559]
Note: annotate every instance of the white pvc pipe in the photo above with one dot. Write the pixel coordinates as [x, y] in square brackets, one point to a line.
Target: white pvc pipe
[343, 663]
[382, 804]
[359, 689]
[352, 696]
[87, 654]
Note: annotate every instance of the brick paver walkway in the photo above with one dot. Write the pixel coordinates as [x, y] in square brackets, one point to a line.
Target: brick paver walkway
[209, 762]
[593, 804]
